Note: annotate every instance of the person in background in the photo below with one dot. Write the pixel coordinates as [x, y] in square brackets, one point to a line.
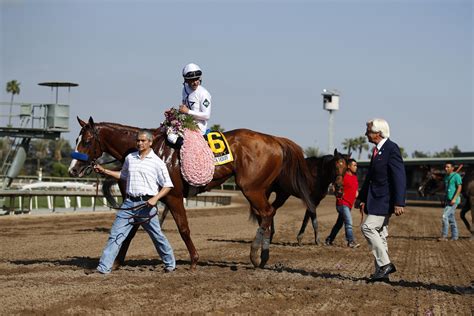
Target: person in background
[196, 99]
[344, 205]
[382, 194]
[453, 187]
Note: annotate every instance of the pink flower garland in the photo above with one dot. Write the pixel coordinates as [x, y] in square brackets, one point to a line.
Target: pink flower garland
[197, 159]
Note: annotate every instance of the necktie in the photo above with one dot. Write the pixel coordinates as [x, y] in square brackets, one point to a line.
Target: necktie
[375, 152]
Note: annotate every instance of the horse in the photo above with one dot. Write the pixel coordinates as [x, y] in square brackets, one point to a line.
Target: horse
[261, 163]
[323, 171]
[433, 182]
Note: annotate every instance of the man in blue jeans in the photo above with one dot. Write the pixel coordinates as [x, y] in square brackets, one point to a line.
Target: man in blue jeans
[344, 205]
[148, 181]
[453, 186]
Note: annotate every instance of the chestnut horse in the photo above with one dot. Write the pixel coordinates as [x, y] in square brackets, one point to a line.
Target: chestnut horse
[261, 163]
[323, 171]
[433, 182]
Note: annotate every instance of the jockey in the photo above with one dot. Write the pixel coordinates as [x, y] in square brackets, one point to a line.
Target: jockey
[196, 99]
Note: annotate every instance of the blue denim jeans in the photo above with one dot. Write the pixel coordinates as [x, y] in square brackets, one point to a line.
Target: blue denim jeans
[345, 218]
[450, 220]
[121, 228]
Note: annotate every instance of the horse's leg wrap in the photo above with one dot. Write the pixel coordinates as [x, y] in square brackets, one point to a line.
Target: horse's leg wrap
[257, 242]
[265, 255]
[314, 222]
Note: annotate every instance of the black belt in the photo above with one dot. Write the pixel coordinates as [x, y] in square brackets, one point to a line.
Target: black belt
[139, 198]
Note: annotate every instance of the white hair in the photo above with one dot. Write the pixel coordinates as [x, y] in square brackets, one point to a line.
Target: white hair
[147, 133]
[380, 126]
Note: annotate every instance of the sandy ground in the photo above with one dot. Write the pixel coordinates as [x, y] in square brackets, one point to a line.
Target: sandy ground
[42, 262]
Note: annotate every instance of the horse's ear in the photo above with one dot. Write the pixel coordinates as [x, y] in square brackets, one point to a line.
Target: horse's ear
[335, 152]
[91, 121]
[81, 122]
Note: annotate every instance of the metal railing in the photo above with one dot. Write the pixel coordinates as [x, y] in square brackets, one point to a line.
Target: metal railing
[24, 201]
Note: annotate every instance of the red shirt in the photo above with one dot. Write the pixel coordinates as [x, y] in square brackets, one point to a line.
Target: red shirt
[350, 190]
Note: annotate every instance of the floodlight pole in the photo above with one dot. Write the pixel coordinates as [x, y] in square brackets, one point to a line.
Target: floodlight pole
[331, 132]
[331, 104]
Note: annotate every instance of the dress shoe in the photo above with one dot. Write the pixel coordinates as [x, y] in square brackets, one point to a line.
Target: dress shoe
[383, 272]
[353, 244]
[93, 272]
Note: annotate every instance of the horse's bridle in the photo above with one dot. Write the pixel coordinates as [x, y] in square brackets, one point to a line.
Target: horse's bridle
[91, 162]
[338, 176]
[86, 158]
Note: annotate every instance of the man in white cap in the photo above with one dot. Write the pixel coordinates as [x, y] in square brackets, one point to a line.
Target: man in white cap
[196, 99]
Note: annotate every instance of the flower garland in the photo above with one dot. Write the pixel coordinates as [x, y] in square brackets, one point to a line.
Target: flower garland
[197, 159]
[176, 122]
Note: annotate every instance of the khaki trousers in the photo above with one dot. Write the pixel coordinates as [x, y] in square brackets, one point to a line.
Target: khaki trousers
[375, 230]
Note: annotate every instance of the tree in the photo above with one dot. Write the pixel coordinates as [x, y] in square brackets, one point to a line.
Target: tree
[420, 154]
[312, 152]
[58, 147]
[41, 150]
[350, 144]
[4, 148]
[217, 127]
[13, 87]
[403, 152]
[59, 170]
[361, 144]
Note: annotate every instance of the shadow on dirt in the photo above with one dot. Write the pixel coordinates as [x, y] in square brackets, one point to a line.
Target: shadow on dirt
[90, 263]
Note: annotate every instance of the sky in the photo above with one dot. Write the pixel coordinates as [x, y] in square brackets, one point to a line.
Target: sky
[264, 62]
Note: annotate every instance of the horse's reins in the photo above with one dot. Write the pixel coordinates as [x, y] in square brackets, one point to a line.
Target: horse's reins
[92, 162]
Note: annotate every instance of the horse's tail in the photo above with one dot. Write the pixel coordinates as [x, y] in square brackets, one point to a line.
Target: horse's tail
[107, 191]
[296, 172]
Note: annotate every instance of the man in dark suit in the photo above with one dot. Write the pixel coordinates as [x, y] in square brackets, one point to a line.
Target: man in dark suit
[382, 194]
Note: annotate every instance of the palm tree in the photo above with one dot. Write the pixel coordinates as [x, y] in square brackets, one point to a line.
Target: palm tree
[349, 144]
[41, 151]
[58, 146]
[361, 144]
[13, 87]
[217, 127]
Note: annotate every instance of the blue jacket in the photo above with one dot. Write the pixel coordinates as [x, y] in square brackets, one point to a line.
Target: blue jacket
[385, 183]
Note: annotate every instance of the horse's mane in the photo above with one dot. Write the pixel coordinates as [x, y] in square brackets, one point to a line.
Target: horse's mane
[128, 129]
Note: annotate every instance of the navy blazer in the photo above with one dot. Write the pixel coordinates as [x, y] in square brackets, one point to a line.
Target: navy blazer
[385, 184]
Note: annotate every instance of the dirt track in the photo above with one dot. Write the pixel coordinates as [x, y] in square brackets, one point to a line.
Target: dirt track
[42, 262]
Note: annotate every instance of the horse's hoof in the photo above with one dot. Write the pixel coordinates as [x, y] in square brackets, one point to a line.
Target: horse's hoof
[317, 241]
[299, 239]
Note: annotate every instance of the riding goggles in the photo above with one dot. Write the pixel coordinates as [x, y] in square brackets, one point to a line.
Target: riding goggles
[193, 74]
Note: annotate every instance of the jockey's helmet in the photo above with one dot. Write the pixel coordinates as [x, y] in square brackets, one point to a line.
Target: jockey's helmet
[192, 71]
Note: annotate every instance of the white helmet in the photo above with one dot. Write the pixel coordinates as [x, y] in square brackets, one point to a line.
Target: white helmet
[192, 71]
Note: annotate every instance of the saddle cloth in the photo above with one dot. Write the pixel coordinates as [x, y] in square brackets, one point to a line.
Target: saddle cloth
[219, 147]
